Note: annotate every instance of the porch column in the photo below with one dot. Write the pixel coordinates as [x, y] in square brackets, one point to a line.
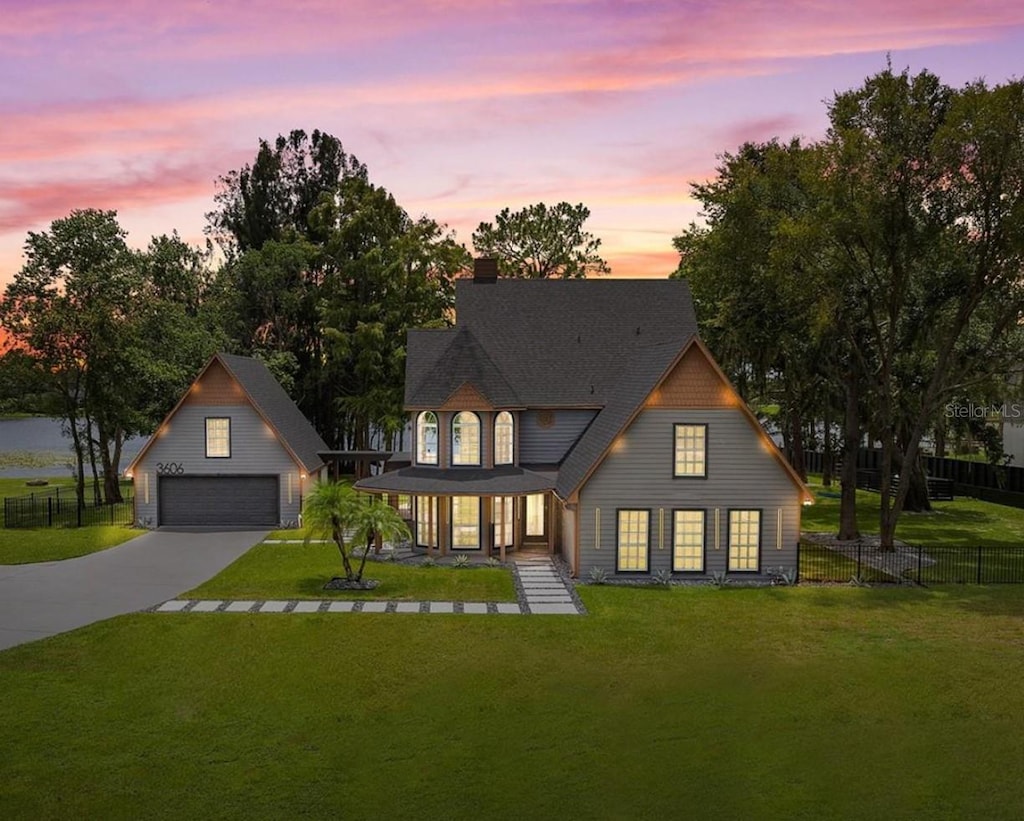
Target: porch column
[517, 522]
[430, 523]
[486, 525]
[549, 499]
[501, 528]
[442, 520]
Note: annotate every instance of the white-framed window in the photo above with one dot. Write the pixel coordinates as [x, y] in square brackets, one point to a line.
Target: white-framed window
[465, 522]
[633, 541]
[426, 521]
[466, 439]
[218, 437]
[744, 540]
[403, 506]
[688, 541]
[426, 438]
[691, 451]
[504, 438]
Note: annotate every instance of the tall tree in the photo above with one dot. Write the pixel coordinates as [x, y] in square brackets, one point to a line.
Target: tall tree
[271, 200]
[327, 274]
[113, 339]
[539, 242]
[927, 192]
[755, 271]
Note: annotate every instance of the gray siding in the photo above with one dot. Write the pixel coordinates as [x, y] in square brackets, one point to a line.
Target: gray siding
[548, 446]
[568, 525]
[741, 473]
[255, 450]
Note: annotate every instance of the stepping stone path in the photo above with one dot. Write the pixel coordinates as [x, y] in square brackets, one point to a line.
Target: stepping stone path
[542, 591]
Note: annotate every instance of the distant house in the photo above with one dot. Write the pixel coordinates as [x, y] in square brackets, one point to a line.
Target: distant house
[234, 452]
[586, 418]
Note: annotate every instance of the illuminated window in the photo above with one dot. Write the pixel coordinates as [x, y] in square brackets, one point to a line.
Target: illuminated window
[744, 540]
[688, 541]
[426, 438]
[633, 531]
[465, 522]
[466, 439]
[503, 438]
[691, 450]
[403, 505]
[509, 521]
[535, 515]
[218, 437]
[426, 521]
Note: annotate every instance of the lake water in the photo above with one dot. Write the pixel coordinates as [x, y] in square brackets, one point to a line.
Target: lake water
[43, 436]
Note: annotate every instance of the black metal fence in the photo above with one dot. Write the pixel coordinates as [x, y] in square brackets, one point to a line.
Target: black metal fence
[58, 507]
[1003, 485]
[916, 564]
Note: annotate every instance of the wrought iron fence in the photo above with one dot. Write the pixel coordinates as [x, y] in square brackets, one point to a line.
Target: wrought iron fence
[915, 564]
[59, 507]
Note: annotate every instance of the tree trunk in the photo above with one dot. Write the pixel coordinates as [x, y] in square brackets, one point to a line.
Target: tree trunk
[917, 495]
[851, 443]
[940, 438]
[827, 457]
[97, 495]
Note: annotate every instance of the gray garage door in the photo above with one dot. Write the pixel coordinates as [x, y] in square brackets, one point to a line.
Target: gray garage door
[226, 501]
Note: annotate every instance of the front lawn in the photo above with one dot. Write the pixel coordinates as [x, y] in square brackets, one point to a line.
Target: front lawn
[20, 546]
[682, 703]
[961, 522]
[297, 571]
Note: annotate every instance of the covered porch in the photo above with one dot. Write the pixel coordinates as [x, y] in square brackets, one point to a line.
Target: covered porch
[484, 512]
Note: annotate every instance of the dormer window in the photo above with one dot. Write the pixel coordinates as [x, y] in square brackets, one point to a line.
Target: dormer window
[503, 438]
[426, 438]
[466, 439]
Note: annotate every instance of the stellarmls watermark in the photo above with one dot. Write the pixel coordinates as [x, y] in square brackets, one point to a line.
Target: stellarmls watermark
[1007, 411]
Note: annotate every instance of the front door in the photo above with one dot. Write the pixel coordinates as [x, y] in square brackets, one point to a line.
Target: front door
[535, 529]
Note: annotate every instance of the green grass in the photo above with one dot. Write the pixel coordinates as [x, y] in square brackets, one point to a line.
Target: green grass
[684, 703]
[290, 571]
[21, 546]
[961, 522]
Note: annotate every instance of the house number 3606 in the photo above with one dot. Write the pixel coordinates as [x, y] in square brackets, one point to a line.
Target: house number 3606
[170, 468]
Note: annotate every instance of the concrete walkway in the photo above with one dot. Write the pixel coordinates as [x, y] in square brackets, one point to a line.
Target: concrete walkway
[540, 588]
[40, 600]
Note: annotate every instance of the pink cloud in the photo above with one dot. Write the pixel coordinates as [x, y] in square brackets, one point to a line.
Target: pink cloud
[26, 204]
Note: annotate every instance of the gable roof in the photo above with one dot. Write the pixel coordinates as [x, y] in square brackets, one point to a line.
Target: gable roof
[270, 401]
[545, 343]
[647, 372]
[464, 361]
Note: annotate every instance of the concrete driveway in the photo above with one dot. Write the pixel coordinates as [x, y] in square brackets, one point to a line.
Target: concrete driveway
[40, 600]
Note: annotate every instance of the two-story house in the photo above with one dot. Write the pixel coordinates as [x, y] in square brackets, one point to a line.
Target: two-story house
[587, 418]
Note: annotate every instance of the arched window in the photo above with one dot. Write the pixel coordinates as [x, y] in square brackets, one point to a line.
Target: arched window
[426, 438]
[503, 438]
[466, 439]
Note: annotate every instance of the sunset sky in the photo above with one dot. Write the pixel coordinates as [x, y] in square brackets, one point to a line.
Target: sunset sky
[458, 107]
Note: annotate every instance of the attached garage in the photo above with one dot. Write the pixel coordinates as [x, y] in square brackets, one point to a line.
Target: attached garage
[220, 501]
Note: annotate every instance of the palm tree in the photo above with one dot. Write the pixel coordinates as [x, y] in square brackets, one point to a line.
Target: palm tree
[335, 509]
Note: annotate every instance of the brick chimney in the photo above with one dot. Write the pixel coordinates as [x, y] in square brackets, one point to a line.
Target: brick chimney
[485, 270]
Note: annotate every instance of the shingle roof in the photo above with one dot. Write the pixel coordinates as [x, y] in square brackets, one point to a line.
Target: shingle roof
[504, 480]
[463, 360]
[293, 428]
[644, 369]
[552, 343]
